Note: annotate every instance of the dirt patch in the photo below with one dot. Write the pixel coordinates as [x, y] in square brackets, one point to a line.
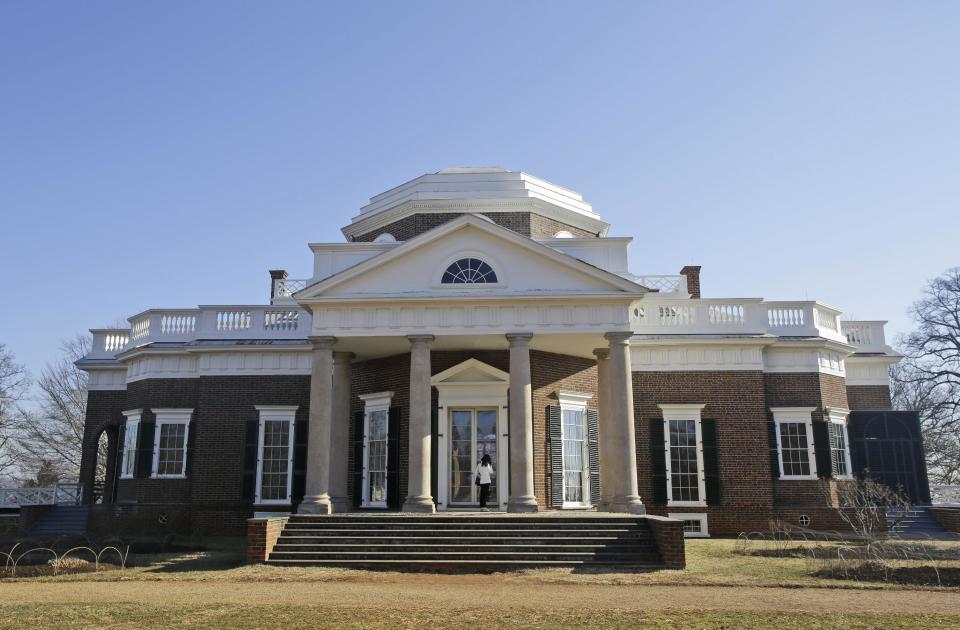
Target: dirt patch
[879, 572]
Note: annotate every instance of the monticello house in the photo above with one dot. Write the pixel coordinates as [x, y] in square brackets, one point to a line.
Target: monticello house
[484, 311]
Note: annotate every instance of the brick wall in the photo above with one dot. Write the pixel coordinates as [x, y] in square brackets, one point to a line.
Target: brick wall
[262, 535]
[526, 223]
[670, 543]
[949, 518]
[104, 412]
[735, 399]
[869, 396]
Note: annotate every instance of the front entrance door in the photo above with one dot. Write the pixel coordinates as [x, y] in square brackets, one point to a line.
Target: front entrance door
[375, 459]
[473, 434]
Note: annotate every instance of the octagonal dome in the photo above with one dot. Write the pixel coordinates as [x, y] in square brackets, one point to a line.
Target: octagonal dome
[492, 191]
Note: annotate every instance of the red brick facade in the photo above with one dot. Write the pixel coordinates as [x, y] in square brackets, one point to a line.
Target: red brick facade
[210, 499]
[526, 223]
[869, 396]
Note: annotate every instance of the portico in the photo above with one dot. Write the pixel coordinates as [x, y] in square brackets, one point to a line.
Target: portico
[478, 407]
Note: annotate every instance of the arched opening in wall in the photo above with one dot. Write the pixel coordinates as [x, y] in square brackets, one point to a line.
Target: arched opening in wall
[100, 473]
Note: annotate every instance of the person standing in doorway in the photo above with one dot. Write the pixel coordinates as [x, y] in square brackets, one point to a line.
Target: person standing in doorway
[484, 478]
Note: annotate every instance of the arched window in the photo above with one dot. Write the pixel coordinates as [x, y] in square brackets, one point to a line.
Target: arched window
[469, 271]
[386, 237]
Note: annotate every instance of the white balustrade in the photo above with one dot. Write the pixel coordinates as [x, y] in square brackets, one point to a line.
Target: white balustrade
[281, 320]
[653, 315]
[233, 320]
[865, 336]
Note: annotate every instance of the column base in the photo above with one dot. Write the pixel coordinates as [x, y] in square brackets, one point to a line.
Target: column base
[523, 504]
[315, 505]
[629, 505]
[419, 504]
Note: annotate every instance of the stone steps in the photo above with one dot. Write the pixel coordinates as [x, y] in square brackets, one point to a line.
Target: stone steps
[465, 540]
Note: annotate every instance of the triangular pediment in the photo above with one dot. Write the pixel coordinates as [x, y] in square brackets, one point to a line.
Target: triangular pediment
[522, 266]
[471, 371]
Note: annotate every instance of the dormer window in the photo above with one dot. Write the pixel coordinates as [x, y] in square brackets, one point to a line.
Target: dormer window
[469, 271]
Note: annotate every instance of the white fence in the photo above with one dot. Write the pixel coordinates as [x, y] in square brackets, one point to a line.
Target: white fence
[58, 494]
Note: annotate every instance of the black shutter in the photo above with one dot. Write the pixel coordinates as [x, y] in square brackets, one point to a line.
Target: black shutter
[301, 435]
[593, 448]
[434, 454]
[117, 466]
[357, 459]
[821, 448]
[555, 433]
[251, 452]
[191, 441]
[711, 460]
[393, 459]
[144, 464]
[773, 450]
[658, 462]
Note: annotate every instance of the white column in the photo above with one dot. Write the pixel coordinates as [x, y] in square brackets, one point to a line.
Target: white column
[419, 497]
[608, 478]
[316, 498]
[340, 432]
[522, 495]
[624, 450]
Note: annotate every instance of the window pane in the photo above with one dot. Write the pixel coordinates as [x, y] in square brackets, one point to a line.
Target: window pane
[574, 460]
[684, 474]
[275, 460]
[794, 448]
[170, 456]
[130, 440]
[377, 456]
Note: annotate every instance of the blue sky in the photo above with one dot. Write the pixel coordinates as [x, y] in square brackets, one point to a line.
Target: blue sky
[168, 154]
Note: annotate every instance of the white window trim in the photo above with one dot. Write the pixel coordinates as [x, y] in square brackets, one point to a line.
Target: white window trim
[577, 401]
[282, 413]
[839, 415]
[684, 412]
[798, 415]
[170, 416]
[693, 516]
[379, 401]
[132, 424]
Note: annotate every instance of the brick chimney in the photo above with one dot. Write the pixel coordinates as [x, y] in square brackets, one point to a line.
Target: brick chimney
[276, 274]
[692, 272]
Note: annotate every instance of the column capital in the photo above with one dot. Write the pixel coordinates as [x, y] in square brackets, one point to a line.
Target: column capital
[601, 353]
[618, 338]
[323, 342]
[420, 340]
[519, 338]
[343, 357]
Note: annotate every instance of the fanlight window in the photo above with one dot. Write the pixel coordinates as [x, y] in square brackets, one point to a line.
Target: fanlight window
[469, 271]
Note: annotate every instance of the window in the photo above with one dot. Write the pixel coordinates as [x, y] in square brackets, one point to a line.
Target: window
[839, 443]
[170, 443]
[375, 435]
[795, 442]
[131, 436]
[275, 459]
[694, 525]
[576, 459]
[469, 271]
[684, 456]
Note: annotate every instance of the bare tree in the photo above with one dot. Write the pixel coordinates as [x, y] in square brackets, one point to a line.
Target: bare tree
[51, 435]
[928, 380]
[13, 386]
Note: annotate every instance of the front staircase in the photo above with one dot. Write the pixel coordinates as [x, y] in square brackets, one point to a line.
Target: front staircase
[447, 540]
[916, 523]
[61, 520]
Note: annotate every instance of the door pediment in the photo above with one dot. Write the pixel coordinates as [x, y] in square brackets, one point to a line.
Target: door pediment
[472, 372]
